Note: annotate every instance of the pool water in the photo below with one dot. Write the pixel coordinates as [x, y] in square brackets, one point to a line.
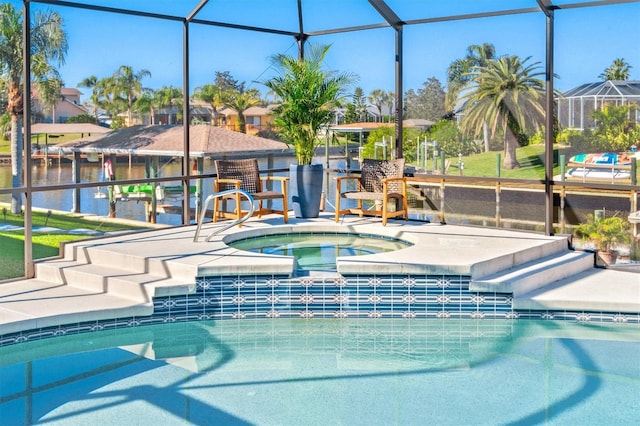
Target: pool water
[319, 372]
[316, 251]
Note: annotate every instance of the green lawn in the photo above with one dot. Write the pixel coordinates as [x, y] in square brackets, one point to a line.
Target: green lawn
[531, 159]
[44, 244]
[5, 145]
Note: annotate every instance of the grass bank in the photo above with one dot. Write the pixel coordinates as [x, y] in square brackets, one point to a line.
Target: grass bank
[55, 227]
[489, 164]
[5, 145]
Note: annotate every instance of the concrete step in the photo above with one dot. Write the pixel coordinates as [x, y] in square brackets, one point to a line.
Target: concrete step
[35, 304]
[534, 274]
[176, 269]
[533, 254]
[595, 290]
[137, 286]
[114, 256]
[51, 270]
[99, 254]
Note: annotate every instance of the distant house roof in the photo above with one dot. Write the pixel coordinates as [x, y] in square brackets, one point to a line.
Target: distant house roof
[417, 123]
[67, 128]
[168, 140]
[70, 91]
[252, 111]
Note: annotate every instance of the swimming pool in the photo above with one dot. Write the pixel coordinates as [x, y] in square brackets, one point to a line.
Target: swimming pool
[317, 251]
[297, 371]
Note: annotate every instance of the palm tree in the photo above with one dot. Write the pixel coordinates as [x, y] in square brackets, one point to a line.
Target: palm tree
[459, 76]
[49, 94]
[48, 47]
[614, 128]
[107, 98]
[377, 98]
[167, 96]
[308, 97]
[144, 104]
[619, 70]
[390, 100]
[240, 101]
[90, 83]
[127, 85]
[508, 96]
[211, 94]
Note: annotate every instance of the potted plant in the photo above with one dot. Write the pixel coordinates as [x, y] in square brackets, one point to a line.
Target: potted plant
[307, 97]
[605, 233]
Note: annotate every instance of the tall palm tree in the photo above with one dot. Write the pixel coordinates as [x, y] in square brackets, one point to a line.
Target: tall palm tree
[459, 75]
[240, 101]
[377, 98]
[508, 95]
[127, 85]
[48, 50]
[619, 70]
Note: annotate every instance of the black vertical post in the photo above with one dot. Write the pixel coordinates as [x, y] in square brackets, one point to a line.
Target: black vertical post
[399, 96]
[186, 169]
[76, 179]
[112, 176]
[300, 38]
[548, 139]
[29, 267]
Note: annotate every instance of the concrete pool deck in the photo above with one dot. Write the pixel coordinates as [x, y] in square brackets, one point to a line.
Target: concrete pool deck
[117, 276]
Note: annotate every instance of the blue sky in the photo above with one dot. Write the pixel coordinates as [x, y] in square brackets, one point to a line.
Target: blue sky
[587, 40]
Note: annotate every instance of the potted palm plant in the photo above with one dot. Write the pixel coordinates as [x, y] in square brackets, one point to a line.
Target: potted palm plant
[307, 97]
[605, 233]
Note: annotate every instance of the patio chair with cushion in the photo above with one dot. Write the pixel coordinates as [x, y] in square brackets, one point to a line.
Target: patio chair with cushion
[380, 181]
[244, 174]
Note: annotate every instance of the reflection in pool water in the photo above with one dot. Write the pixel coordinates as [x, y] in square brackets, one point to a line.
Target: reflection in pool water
[359, 371]
[315, 251]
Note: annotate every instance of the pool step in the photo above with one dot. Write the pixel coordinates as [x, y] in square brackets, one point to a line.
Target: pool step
[597, 290]
[139, 286]
[96, 266]
[530, 255]
[120, 255]
[35, 304]
[531, 275]
[99, 254]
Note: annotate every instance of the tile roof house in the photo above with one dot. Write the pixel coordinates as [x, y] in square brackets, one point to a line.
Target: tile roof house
[166, 140]
[257, 118]
[68, 105]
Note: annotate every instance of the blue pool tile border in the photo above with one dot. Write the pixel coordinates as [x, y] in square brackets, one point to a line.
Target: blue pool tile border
[356, 296]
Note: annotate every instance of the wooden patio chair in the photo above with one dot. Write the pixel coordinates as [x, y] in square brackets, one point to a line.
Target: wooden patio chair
[244, 174]
[380, 181]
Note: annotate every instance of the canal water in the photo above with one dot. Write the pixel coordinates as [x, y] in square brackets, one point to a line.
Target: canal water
[464, 205]
[94, 200]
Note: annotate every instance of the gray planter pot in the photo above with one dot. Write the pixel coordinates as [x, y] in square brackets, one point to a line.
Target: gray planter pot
[305, 187]
[608, 257]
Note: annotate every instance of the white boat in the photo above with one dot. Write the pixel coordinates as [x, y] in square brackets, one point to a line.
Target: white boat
[609, 166]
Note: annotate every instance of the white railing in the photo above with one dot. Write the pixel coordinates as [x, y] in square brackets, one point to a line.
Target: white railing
[220, 194]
